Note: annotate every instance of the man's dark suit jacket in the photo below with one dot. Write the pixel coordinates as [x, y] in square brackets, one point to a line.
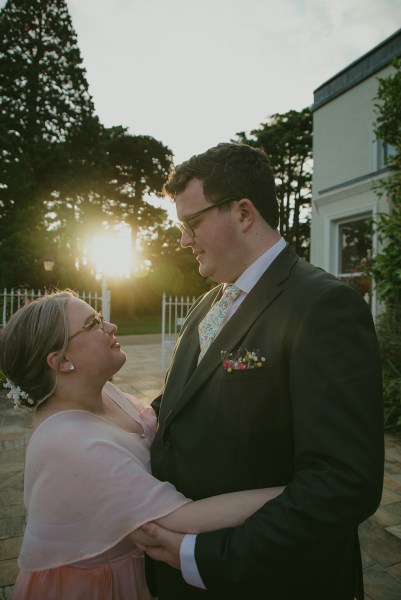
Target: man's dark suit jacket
[309, 419]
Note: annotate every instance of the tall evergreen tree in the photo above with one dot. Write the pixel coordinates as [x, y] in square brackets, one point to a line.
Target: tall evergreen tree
[44, 101]
[62, 175]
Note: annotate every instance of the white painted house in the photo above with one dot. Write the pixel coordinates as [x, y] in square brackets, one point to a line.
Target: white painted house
[348, 161]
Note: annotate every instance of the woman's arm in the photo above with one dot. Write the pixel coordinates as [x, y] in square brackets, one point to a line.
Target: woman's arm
[218, 512]
[210, 514]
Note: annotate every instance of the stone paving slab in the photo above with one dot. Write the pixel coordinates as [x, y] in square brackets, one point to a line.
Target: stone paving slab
[380, 585]
[142, 376]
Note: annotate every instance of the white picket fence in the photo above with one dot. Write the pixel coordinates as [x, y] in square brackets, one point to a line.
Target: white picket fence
[11, 300]
[174, 311]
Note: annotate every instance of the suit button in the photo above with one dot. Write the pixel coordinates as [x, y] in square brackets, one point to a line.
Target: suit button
[167, 445]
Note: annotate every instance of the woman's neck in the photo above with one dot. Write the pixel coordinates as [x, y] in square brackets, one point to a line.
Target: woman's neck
[73, 396]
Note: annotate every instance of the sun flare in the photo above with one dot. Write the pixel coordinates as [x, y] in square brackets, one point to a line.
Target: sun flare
[111, 253]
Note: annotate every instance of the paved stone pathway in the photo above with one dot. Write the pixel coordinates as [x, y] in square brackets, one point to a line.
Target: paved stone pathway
[142, 376]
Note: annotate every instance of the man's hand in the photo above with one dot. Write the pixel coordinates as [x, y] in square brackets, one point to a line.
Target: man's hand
[168, 544]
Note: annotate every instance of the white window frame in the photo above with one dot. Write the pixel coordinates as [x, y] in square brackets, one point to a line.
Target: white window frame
[333, 247]
[381, 151]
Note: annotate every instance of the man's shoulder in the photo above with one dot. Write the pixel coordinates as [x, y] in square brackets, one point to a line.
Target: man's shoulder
[310, 283]
[289, 266]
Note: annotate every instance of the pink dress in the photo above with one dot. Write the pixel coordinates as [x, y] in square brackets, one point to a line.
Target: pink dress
[87, 487]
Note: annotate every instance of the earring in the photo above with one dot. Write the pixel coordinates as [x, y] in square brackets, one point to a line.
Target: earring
[71, 367]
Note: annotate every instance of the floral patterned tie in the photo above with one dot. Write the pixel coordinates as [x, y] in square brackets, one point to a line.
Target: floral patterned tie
[210, 325]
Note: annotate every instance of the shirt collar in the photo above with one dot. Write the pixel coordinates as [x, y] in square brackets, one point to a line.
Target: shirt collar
[254, 272]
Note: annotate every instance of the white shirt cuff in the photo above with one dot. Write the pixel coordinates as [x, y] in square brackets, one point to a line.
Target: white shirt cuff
[189, 567]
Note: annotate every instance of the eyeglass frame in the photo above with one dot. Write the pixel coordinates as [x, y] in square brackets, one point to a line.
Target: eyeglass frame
[184, 225]
[96, 319]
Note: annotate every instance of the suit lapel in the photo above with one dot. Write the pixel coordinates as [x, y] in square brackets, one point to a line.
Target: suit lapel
[186, 352]
[186, 378]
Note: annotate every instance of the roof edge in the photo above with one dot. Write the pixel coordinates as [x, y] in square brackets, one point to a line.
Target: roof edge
[373, 61]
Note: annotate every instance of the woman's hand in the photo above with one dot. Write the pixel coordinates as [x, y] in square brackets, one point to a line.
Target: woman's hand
[142, 539]
[165, 544]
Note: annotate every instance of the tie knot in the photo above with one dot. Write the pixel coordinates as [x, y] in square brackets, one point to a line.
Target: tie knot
[231, 292]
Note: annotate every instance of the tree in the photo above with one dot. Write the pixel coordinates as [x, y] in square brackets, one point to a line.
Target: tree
[116, 188]
[139, 166]
[386, 266]
[44, 99]
[62, 175]
[287, 140]
[173, 271]
[112, 182]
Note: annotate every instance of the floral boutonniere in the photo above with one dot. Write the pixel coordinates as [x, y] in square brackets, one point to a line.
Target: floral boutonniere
[242, 360]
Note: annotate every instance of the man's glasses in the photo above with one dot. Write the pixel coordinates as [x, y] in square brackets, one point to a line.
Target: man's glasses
[97, 319]
[184, 225]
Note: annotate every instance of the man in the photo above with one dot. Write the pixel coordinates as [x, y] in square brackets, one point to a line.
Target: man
[287, 393]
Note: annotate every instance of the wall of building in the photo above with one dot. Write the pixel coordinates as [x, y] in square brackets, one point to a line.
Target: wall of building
[348, 164]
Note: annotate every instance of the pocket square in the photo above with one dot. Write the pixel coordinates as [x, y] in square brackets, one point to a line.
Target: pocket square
[242, 360]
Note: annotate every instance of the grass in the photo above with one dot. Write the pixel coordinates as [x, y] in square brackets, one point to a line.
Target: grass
[138, 325]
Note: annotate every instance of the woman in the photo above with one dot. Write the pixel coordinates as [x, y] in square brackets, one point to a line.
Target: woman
[88, 488]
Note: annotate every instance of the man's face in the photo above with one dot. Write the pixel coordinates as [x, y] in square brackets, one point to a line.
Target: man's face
[215, 234]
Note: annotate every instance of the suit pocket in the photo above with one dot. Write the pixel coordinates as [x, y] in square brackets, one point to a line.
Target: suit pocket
[249, 375]
[246, 399]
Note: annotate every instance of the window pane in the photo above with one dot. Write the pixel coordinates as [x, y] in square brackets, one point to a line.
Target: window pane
[388, 151]
[355, 245]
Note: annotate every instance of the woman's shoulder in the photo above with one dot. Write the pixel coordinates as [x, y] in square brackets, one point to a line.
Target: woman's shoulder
[61, 428]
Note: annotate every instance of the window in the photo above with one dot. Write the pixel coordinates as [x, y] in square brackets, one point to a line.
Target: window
[385, 151]
[355, 250]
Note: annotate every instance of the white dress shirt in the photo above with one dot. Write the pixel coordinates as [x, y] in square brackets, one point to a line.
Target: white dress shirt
[245, 283]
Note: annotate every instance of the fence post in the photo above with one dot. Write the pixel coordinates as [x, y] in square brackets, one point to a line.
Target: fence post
[105, 301]
[11, 300]
[171, 324]
[163, 328]
[4, 306]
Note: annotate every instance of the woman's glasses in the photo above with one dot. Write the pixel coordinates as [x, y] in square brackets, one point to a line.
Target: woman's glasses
[97, 319]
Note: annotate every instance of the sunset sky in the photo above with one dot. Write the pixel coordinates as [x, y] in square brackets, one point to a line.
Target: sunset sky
[192, 73]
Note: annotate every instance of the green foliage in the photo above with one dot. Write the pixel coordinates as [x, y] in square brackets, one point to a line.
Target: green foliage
[143, 324]
[386, 266]
[174, 271]
[2, 380]
[287, 140]
[388, 107]
[43, 97]
[112, 187]
[389, 336]
[63, 176]
[137, 166]
[42, 72]
[43, 94]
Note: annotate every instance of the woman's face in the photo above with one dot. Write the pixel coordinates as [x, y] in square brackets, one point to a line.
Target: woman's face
[92, 345]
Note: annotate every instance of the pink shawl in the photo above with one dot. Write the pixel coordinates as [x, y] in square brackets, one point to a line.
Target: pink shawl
[88, 485]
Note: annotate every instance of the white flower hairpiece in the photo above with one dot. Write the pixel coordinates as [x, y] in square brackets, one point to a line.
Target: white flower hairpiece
[16, 394]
